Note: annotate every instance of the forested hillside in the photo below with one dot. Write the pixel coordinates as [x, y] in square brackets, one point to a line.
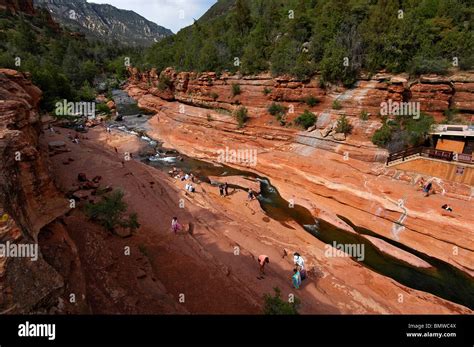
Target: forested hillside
[63, 64]
[339, 38]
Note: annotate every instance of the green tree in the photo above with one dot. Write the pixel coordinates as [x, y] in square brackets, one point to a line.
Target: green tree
[86, 93]
[242, 18]
[110, 212]
[306, 119]
[274, 305]
[343, 125]
[242, 116]
[382, 136]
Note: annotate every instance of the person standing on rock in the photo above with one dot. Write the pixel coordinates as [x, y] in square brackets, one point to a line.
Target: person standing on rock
[175, 226]
[226, 189]
[262, 260]
[296, 278]
[221, 189]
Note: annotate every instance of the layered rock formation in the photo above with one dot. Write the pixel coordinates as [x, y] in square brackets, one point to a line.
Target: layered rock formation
[29, 199]
[434, 94]
[301, 163]
[69, 256]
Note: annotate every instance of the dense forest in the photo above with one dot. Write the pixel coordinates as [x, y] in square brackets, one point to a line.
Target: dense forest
[338, 38]
[63, 64]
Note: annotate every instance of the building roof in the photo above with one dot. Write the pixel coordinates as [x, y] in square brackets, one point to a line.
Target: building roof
[453, 130]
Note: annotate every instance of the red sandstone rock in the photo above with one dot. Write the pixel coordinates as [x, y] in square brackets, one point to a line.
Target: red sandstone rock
[30, 196]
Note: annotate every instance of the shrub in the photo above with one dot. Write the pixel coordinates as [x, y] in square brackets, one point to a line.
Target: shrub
[417, 129]
[241, 115]
[266, 91]
[306, 119]
[86, 93]
[274, 305]
[214, 95]
[364, 115]
[236, 89]
[450, 113]
[109, 212]
[277, 110]
[422, 65]
[103, 108]
[311, 101]
[322, 83]
[336, 105]
[343, 125]
[165, 83]
[403, 132]
[382, 136]
[209, 117]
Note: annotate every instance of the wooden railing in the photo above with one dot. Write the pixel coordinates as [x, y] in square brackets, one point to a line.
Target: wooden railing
[430, 153]
[403, 154]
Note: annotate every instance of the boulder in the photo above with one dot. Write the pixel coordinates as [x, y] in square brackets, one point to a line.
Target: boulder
[326, 131]
[339, 136]
[57, 147]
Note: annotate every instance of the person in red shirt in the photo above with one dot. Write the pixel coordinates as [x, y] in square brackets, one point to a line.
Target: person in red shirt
[262, 260]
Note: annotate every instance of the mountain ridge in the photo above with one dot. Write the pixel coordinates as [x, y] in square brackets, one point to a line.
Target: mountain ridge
[104, 21]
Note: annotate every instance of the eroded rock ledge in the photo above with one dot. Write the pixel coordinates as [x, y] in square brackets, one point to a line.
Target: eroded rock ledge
[29, 199]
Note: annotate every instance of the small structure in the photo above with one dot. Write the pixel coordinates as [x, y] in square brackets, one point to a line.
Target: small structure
[458, 139]
[450, 143]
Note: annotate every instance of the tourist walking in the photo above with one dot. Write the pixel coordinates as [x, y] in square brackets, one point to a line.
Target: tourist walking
[226, 189]
[262, 260]
[427, 188]
[221, 189]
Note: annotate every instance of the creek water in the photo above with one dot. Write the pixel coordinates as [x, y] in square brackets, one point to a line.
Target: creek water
[441, 279]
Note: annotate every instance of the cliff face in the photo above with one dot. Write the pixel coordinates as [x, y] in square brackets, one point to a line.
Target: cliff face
[29, 199]
[435, 94]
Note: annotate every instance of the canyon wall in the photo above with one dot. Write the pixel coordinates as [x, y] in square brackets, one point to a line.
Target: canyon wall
[435, 94]
[29, 199]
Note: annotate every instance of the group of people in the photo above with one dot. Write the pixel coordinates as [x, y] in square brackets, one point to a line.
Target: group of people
[224, 189]
[299, 271]
[186, 177]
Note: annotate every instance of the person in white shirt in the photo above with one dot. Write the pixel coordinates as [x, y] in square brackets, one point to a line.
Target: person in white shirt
[299, 262]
